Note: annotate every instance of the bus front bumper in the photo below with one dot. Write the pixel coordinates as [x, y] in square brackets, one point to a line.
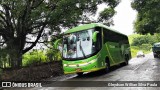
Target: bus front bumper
[92, 70]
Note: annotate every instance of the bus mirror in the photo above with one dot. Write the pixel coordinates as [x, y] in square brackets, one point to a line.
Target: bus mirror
[65, 41]
[88, 38]
[56, 43]
[94, 37]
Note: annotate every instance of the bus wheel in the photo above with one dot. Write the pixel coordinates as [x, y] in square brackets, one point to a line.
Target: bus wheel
[107, 69]
[155, 56]
[80, 73]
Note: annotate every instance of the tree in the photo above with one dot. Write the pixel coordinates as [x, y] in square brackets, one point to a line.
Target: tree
[157, 37]
[148, 20]
[144, 39]
[24, 20]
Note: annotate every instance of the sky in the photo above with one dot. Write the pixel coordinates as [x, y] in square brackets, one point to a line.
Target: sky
[124, 18]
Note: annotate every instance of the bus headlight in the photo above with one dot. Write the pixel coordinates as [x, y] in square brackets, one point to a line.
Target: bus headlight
[80, 64]
[92, 61]
[65, 65]
[87, 63]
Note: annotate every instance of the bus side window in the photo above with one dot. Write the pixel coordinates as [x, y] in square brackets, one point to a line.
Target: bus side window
[110, 36]
[98, 44]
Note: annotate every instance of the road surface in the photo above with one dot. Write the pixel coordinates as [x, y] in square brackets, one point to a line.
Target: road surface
[139, 69]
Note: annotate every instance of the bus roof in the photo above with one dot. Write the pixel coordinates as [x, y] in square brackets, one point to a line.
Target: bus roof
[89, 26]
[157, 43]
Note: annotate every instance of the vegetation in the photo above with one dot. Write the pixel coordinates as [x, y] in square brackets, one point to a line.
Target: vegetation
[142, 42]
[4, 58]
[148, 20]
[144, 39]
[53, 55]
[135, 49]
[35, 57]
[22, 20]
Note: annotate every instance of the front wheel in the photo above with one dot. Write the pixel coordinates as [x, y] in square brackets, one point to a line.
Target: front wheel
[107, 69]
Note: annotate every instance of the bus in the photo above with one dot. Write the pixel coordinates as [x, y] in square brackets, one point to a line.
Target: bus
[156, 50]
[92, 47]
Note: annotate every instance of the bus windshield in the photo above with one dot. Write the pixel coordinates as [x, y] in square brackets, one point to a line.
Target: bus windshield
[78, 44]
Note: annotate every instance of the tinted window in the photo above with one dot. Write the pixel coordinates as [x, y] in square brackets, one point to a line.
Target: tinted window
[99, 38]
[110, 36]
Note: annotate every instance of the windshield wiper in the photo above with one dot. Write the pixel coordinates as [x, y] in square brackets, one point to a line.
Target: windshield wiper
[81, 49]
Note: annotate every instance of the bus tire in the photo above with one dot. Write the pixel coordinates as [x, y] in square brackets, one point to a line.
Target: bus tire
[107, 69]
[155, 56]
[80, 74]
[126, 59]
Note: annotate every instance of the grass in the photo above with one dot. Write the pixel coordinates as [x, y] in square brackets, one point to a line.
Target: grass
[135, 49]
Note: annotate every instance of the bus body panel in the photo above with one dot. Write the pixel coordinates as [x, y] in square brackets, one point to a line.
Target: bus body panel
[95, 62]
[86, 65]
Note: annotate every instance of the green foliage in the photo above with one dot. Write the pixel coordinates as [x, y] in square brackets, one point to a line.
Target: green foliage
[131, 37]
[106, 16]
[53, 55]
[34, 58]
[146, 47]
[4, 58]
[21, 20]
[157, 37]
[141, 42]
[135, 49]
[145, 39]
[148, 20]
[37, 57]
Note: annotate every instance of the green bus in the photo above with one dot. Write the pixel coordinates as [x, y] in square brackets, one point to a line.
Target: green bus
[93, 47]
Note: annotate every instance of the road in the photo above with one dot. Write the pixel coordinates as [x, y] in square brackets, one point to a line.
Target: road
[139, 69]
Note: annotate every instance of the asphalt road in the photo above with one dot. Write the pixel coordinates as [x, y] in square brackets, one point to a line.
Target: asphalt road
[139, 69]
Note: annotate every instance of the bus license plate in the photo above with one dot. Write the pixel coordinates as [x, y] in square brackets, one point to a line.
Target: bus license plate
[78, 69]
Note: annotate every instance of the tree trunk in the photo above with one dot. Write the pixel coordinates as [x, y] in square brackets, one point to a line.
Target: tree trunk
[16, 60]
[15, 53]
[9, 61]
